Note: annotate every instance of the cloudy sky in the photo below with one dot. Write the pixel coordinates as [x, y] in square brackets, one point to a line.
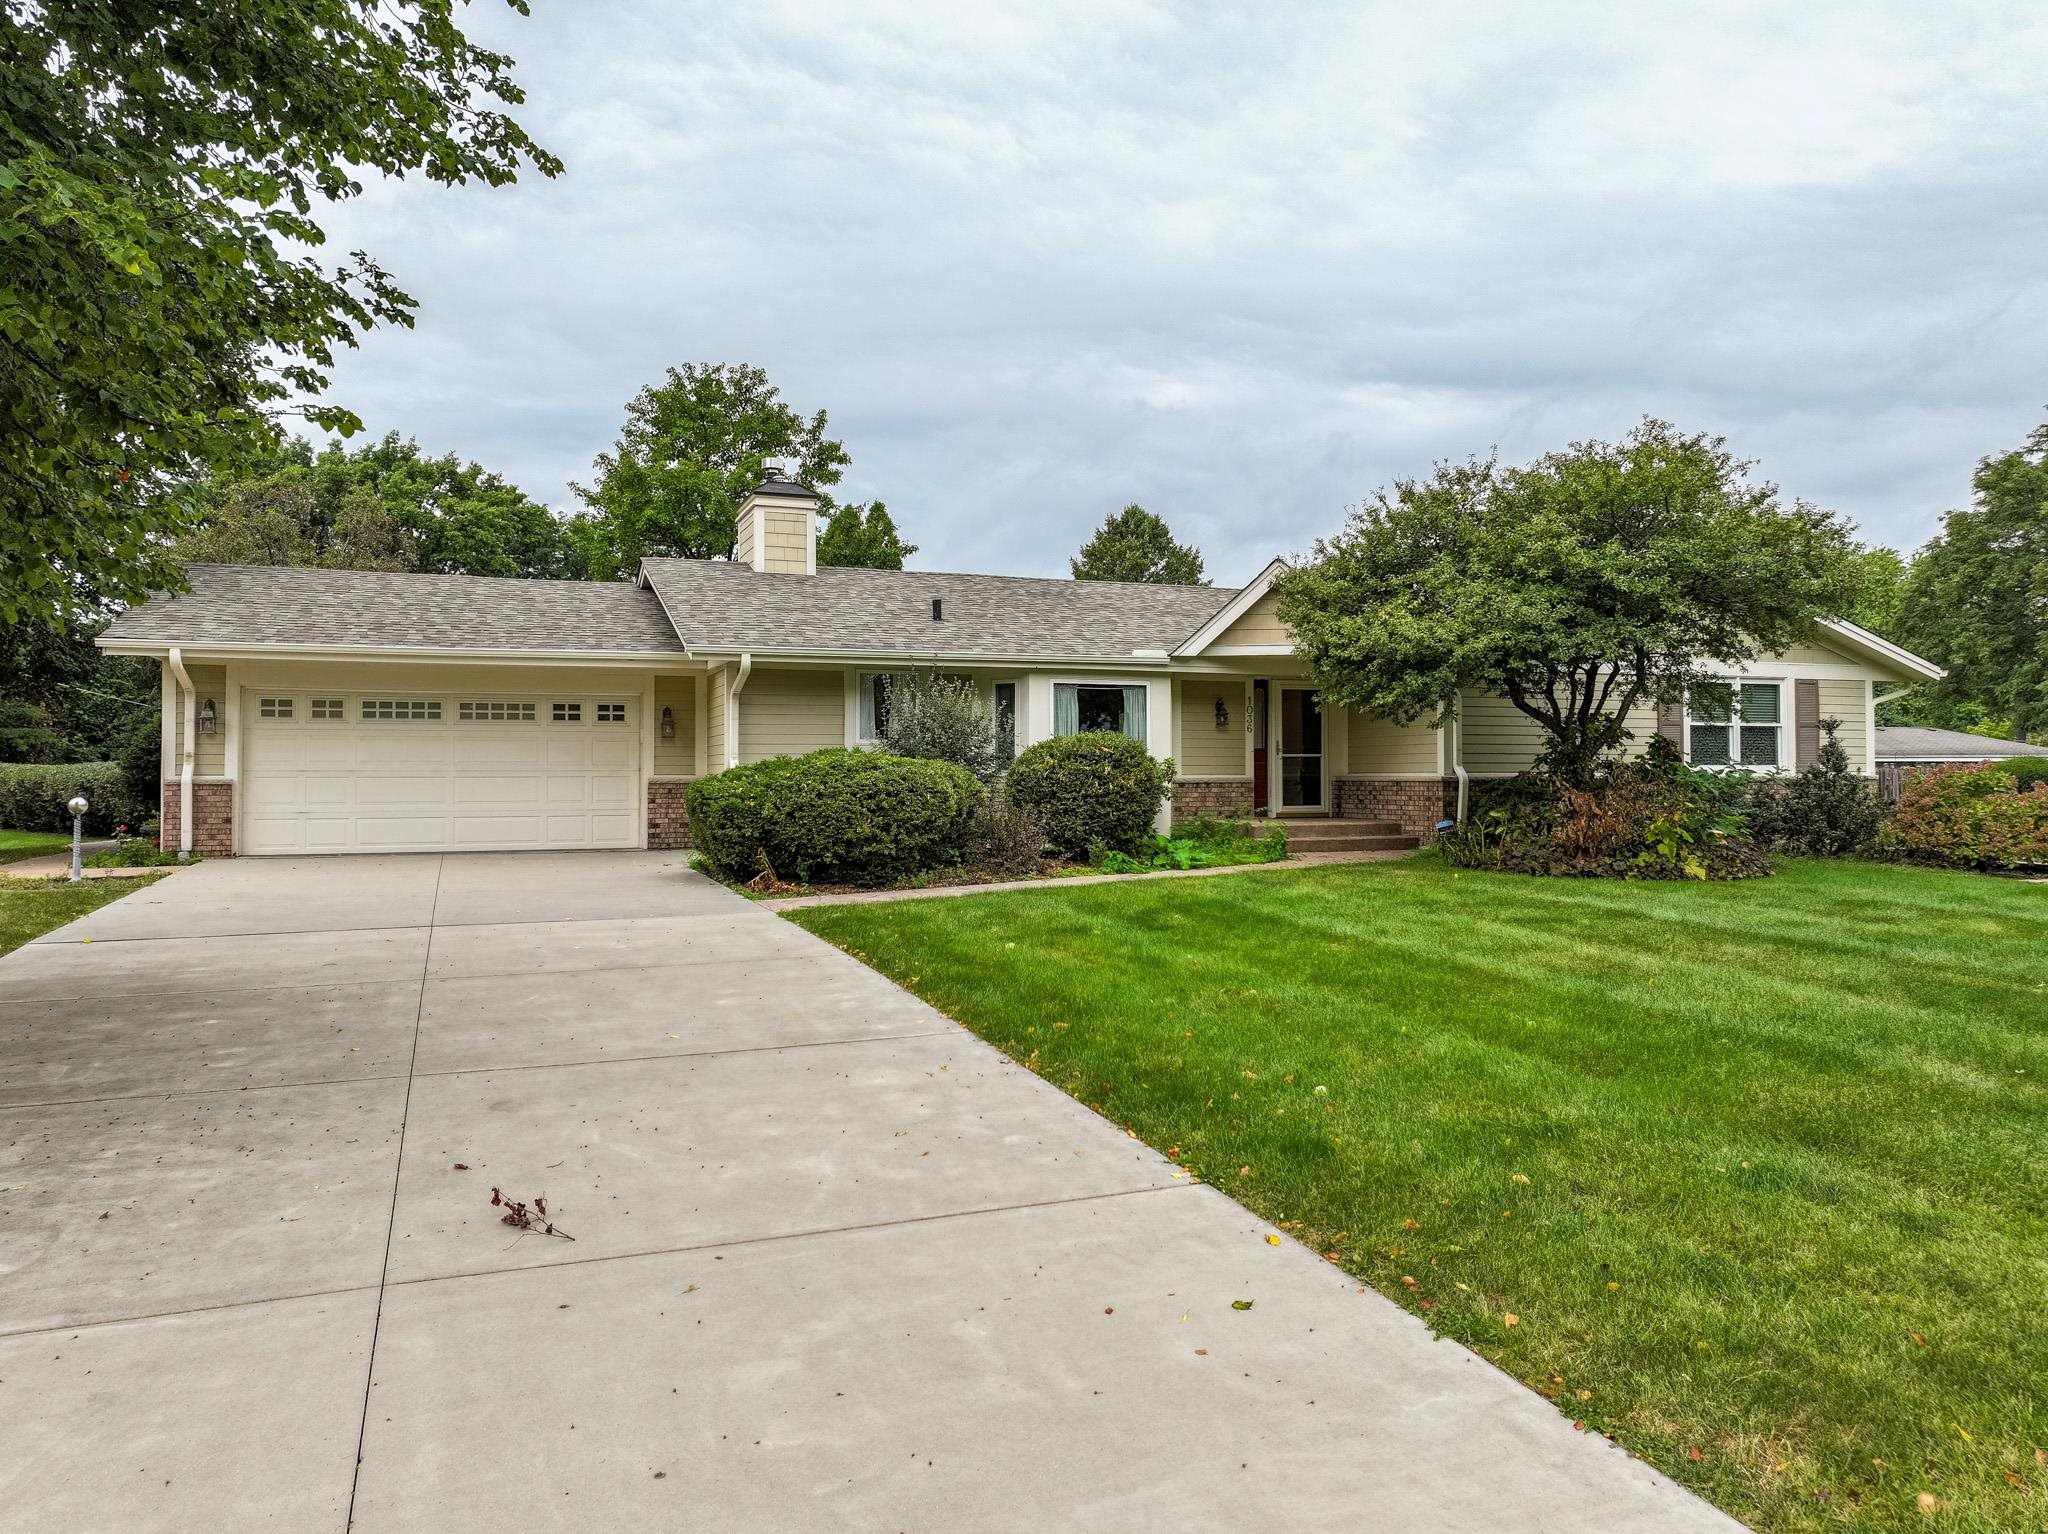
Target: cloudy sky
[1244, 264]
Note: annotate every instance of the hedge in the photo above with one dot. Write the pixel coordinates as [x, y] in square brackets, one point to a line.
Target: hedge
[833, 817]
[1096, 792]
[1973, 817]
[33, 796]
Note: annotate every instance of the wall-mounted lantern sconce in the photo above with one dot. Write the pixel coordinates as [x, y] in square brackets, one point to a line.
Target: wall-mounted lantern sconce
[209, 721]
[1222, 714]
[668, 723]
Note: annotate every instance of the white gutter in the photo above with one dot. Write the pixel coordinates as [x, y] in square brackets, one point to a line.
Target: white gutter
[732, 709]
[187, 747]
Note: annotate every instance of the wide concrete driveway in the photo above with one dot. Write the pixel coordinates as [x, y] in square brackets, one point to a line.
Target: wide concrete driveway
[837, 1265]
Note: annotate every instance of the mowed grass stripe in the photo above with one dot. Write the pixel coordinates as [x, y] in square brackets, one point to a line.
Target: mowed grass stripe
[1767, 1134]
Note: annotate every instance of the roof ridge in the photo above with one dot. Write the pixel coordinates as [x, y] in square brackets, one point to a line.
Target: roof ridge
[961, 575]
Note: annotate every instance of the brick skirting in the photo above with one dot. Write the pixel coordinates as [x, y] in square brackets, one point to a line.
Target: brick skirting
[668, 820]
[213, 819]
[1192, 798]
[1416, 803]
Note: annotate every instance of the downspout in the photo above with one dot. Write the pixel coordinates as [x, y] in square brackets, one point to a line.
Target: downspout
[1458, 763]
[732, 708]
[187, 746]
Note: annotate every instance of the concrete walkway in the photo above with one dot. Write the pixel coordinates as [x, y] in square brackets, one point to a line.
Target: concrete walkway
[837, 1265]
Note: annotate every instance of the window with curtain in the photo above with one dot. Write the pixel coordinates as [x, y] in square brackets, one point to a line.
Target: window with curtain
[1081, 709]
[1006, 720]
[874, 705]
[1737, 724]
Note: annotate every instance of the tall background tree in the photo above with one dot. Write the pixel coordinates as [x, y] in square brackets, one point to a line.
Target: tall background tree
[862, 536]
[158, 163]
[1135, 545]
[383, 506]
[692, 447]
[1976, 601]
[1594, 579]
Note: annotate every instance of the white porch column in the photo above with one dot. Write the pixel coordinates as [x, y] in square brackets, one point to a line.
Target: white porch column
[1160, 728]
[1034, 710]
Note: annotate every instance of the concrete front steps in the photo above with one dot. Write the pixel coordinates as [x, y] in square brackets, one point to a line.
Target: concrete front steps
[1326, 835]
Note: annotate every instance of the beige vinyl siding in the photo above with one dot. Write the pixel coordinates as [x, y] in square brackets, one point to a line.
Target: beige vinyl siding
[1850, 703]
[1260, 625]
[786, 539]
[676, 758]
[1498, 737]
[1381, 748]
[790, 712]
[1642, 727]
[1809, 654]
[1205, 751]
[210, 758]
[714, 709]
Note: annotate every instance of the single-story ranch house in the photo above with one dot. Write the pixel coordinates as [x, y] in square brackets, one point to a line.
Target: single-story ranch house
[341, 711]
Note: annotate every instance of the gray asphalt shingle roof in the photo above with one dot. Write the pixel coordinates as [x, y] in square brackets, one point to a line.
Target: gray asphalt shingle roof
[1898, 743]
[733, 606]
[346, 609]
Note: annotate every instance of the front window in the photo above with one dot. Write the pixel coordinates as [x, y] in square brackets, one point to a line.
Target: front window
[1737, 724]
[1006, 720]
[874, 705]
[1080, 708]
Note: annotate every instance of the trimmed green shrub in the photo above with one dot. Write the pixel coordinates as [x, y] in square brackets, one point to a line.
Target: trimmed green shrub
[833, 817]
[32, 797]
[942, 719]
[1823, 812]
[2026, 770]
[1097, 792]
[140, 755]
[1970, 817]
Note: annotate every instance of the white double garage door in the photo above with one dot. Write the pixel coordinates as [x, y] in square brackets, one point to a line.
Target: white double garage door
[387, 771]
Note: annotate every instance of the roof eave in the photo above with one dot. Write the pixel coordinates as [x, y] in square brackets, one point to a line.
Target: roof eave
[1219, 622]
[1877, 647]
[235, 650]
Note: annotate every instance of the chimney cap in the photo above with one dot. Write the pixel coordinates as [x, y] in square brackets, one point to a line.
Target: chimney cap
[775, 481]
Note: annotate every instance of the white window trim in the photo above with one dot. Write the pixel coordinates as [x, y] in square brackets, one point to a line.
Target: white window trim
[1785, 726]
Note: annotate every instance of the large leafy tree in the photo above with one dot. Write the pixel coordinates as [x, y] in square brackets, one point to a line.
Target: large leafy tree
[864, 537]
[1136, 545]
[1977, 600]
[61, 700]
[161, 168]
[383, 506]
[1594, 579]
[693, 445]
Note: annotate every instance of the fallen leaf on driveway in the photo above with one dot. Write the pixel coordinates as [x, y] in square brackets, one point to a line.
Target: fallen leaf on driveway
[1240, 1304]
[1272, 1240]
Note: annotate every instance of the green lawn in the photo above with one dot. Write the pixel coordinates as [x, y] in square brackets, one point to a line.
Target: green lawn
[16, 845]
[1755, 1172]
[29, 908]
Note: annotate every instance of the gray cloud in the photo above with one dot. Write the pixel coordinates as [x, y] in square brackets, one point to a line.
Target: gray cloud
[1242, 266]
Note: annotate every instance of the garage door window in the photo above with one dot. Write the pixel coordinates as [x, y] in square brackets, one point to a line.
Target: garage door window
[274, 708]
[496, 713]
[611, 713]
[328, 708]
[402, 708]
[568, 713]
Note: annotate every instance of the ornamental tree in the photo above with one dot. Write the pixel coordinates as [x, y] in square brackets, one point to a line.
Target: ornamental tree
[161, 296]
[1593, 580]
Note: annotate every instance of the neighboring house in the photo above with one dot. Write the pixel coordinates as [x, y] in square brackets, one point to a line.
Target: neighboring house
[1901, 751]
[339, 711]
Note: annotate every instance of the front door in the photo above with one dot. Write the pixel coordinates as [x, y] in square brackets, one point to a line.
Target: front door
[1302, 782]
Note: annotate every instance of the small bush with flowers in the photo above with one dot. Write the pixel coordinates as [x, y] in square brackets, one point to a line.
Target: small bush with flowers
[1970, 817]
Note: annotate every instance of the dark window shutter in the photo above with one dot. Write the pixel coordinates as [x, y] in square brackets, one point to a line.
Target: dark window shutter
[1806, 723]
[1671, 723]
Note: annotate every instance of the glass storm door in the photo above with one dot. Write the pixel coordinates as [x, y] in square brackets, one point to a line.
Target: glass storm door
[1301, 749]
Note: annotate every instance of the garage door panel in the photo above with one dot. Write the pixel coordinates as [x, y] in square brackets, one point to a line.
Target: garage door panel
[426, 785]
[402, 833]
[481, 831]
[399, 750]
[506, 748]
